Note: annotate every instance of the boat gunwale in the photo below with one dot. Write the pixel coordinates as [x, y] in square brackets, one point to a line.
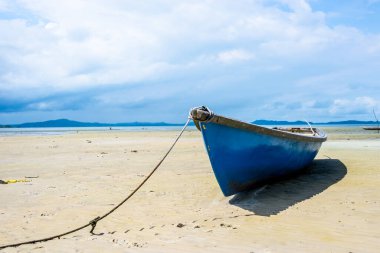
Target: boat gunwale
[218, 119]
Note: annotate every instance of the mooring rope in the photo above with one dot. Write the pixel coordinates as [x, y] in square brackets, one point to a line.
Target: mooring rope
[94, 222]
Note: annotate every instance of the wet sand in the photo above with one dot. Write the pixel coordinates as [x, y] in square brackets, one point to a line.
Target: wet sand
[332, 207]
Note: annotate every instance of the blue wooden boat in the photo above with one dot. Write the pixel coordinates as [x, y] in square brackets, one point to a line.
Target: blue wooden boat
[244, 155]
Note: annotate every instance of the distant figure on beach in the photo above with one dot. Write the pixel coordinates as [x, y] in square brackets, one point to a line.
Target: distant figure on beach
[110, 128]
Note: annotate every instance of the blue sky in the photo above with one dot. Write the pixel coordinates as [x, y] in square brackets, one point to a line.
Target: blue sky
[121, 61]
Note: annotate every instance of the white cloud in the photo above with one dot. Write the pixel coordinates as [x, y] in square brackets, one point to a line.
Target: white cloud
[298, 5]
[356, 106]
[40, 106]
[3, 5]
[132, 36]
[234, 55]
[265, 48]
[79, 44]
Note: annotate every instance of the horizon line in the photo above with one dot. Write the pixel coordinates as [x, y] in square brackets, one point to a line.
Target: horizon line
[140, 123]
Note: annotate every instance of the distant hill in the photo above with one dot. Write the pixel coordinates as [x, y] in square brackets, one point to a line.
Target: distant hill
[299, 122]
[278, 122]
[71, 123]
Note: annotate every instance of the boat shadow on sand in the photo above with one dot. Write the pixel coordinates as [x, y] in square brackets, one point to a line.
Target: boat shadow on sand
[276, 197]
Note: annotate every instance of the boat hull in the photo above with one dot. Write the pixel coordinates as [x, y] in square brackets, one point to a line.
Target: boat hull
[243, 158]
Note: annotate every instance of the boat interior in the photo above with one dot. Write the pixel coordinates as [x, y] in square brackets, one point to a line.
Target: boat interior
[299, 130]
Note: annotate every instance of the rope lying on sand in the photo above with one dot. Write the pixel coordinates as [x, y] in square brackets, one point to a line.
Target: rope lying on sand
[93, 222]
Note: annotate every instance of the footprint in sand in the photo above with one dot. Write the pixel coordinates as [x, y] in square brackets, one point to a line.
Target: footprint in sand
[180, 225]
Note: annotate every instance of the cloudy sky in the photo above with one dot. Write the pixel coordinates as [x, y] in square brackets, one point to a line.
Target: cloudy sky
[124, 60]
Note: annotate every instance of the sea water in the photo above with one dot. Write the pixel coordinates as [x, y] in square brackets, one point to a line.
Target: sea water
[68, 130]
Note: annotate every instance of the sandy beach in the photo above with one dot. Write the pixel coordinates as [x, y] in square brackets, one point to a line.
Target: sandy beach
[75, 177]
